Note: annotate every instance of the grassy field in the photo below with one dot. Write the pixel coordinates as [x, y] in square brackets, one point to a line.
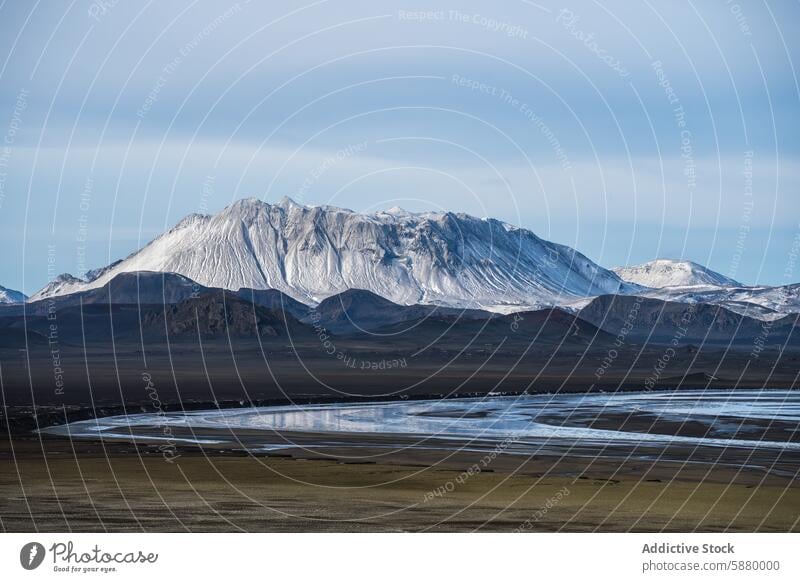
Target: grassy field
[89, 487]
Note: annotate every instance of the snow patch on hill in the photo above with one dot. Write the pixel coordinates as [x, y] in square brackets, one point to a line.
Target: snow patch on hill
[11, 296]
[671, 273]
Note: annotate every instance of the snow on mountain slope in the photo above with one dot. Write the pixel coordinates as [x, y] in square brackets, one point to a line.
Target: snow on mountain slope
[63, 284]
[311, 253]
[764, 303]
[11, 296]
[688, 282]
[671, 273]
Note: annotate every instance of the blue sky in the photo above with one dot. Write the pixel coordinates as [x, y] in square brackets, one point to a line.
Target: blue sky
[629, 131]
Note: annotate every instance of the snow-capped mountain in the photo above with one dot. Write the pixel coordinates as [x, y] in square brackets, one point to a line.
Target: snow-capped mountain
[311, 253]
[447, 259]
[63, 284]
[671, 273]
[688, 282]
[11, 296]
[764, 303]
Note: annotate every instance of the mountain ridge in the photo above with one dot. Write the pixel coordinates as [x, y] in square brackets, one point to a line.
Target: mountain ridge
[311, 253]
[660, 273]
[10, 296]
[446, 259]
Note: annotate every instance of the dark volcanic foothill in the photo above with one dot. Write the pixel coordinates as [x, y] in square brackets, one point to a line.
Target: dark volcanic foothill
[207, 344]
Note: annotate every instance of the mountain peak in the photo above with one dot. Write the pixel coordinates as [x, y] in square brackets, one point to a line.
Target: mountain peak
[63, 284]
[191, 220]
[661, 273]
[11, 296]
[311, 253]
[287, 202]
[67, 278]
[245, 205]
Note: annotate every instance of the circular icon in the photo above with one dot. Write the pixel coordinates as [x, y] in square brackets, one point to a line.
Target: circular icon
[31, 555]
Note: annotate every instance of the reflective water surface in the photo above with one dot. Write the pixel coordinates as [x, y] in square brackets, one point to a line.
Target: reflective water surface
[747, 419]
